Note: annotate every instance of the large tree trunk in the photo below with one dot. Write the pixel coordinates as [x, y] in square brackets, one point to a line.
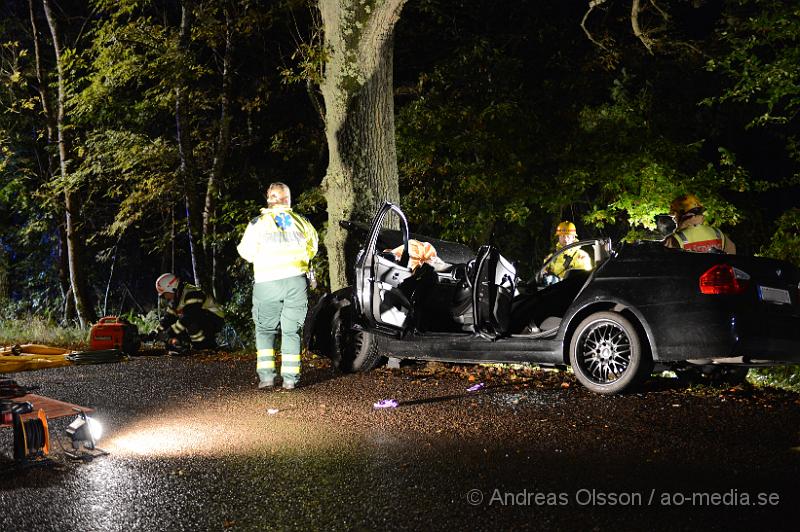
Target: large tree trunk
[77, 271]
[186, 152]
[220, 154]
[359, 119]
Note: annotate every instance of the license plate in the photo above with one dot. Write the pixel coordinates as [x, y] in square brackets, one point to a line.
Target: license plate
[774, 295]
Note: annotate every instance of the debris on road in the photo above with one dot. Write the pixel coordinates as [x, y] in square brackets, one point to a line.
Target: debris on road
[476, 387]
[386, 403]
[272, 411]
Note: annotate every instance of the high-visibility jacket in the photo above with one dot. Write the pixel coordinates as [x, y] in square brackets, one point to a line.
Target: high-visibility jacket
[700, 238]
[279, 243]
[572, 259]
[183, 310]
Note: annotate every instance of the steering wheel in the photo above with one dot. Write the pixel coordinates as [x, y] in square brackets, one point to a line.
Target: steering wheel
[542, 275]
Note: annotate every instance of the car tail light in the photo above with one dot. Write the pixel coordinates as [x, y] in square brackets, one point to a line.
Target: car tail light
[724, 279]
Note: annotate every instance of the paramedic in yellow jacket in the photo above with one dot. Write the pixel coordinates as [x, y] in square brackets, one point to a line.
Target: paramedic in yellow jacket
[691, 232]
[280, 244]
[572, 259]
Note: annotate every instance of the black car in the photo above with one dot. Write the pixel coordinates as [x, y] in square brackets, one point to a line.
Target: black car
[641, 305]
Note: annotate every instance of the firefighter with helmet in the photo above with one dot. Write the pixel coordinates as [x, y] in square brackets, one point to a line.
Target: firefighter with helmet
[691, 232]
[192, 318]
[571, 259]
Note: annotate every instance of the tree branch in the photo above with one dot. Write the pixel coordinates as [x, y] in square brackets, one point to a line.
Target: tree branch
[637, 30]
[592, 4]
[383, 18]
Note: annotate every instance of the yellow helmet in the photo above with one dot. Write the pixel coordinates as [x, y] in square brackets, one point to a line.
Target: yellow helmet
[685, 203]
[566, 228]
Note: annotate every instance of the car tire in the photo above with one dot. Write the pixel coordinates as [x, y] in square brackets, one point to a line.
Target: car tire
[712, 375]
[352, 350]
[606, 354]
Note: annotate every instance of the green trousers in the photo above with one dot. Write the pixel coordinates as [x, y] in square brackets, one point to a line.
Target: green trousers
[282, 303]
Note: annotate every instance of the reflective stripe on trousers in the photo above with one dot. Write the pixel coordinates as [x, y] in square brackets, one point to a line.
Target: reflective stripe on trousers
[281, 305]
[265, 364]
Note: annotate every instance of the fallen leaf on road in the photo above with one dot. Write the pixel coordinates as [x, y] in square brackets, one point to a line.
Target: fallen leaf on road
[565, 385]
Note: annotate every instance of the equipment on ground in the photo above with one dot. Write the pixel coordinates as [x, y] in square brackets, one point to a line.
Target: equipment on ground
[29, 357]
[113, 332]
[31, 437]
[84, 433]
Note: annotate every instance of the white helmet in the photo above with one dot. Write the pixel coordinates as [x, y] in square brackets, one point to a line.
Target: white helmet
[168, 282]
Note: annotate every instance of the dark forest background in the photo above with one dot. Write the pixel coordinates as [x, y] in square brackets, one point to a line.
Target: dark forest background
[510, 116]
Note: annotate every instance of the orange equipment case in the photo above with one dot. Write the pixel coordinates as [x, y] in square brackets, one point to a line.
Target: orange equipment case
[112, 332]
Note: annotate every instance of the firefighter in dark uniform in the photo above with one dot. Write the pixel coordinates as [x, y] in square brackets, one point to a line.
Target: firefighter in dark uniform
[192, 318]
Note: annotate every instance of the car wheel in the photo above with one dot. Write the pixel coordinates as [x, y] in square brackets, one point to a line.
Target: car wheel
[712, 375]
[606, 354]
[352, 350]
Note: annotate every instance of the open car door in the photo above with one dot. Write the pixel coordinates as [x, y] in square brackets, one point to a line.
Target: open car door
[379, 298]
[495, 284]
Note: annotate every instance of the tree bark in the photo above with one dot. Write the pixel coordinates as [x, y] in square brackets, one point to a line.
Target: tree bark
[186, 150]
[77, 271]
[220, 155]
[357, 89]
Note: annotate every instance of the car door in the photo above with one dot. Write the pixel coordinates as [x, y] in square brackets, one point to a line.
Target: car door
[495, 283]
[380, 300]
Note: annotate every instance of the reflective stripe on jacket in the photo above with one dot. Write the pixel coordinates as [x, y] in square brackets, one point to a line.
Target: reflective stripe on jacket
[700, 238]
[279, 243]
[187, 296]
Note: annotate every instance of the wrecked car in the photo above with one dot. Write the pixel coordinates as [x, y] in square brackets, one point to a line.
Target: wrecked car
[641, 307]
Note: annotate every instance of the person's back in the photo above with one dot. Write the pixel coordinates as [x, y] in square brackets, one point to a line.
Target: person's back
[692, 233]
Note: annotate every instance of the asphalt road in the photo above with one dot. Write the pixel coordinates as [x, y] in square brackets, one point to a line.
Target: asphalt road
[193, 446]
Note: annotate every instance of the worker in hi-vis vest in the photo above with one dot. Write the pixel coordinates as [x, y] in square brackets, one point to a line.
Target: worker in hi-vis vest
[691, 232]
[280, 244]
[571, 259]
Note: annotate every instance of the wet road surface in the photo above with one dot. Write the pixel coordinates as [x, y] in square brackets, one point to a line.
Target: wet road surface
[195, 446]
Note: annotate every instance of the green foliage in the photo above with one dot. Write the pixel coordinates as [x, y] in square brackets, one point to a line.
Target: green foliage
[464, 150]
[786, 377]
[762, 40]
[628, 169]
[478, 157]
[785, 241]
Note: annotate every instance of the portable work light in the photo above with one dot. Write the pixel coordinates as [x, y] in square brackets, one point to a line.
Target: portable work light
[84, 432]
